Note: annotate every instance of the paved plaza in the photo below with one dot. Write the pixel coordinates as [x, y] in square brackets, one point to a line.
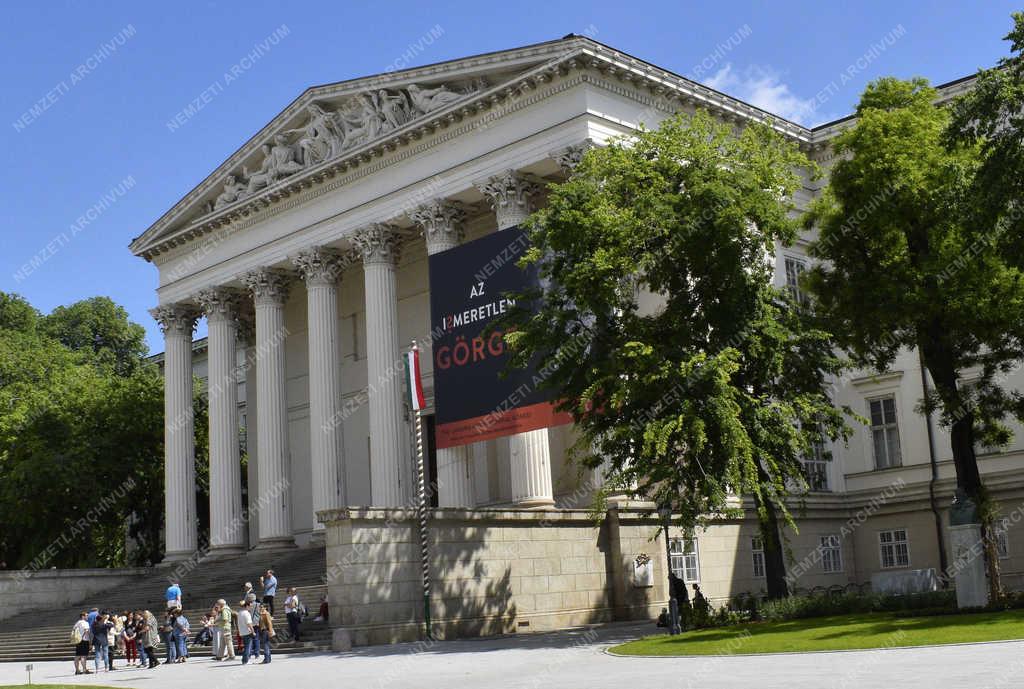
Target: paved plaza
[568, 659]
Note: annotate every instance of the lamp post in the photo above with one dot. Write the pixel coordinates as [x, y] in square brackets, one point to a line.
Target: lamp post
[673, 605]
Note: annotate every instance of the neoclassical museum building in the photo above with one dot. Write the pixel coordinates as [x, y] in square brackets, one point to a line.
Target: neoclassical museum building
[306, 251]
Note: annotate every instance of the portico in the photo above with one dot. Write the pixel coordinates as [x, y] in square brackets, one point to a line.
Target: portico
[307, 248]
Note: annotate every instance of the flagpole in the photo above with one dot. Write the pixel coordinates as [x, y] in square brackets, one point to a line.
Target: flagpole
[421, 494]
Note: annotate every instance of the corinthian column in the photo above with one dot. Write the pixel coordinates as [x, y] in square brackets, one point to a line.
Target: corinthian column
[180, 540]
[321, 268]
[441, 222]
[530, 453]
[379, 245]
[269, 289]
[227, 536]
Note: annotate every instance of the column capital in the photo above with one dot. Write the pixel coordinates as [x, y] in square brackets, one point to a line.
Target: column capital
[220, 303]
[570, 156]
[509, 194]
[267, 285]
[379, 242]
[441, 222]
[177, 319]
[320, 265]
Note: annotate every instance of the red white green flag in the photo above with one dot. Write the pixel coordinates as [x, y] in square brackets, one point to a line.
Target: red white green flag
[413, 381]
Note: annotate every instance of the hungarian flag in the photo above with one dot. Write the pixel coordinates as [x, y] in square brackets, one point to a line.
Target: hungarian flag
[413, 381]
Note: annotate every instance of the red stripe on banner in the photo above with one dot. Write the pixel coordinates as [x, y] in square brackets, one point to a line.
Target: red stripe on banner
[500, 424]
[421, 401]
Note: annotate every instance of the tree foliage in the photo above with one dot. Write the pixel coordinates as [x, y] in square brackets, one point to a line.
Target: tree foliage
[81, 438]
[658, 325]
[910, 262]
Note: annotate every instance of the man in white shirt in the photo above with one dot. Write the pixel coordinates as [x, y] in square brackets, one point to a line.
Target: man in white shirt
[246, 631]
[82, 636]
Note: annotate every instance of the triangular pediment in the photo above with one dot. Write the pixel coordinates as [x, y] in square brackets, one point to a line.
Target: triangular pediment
[331, 122]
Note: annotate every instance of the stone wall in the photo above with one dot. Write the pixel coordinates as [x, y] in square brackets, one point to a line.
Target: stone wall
[493, 572]
[22, 591]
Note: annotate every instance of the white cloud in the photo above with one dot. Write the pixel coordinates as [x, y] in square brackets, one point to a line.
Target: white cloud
[763, 86]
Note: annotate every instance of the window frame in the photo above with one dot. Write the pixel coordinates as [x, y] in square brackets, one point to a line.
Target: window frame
[885, 427]
[757, 557]
[831, 547]
[799, 296]
[893, 543]
[678, 552]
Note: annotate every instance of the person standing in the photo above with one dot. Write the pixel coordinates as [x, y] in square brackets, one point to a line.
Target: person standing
[266, 633]
[173, 596]
[269, 582]
[254, 612]
[293, 611]
[81, 636]
[100, 642]
[128, 633]
[245, 629]
[223, 628]
[150, 637]
[179, 632]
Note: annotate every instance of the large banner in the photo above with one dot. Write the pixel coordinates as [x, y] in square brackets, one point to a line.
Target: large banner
[473, 400]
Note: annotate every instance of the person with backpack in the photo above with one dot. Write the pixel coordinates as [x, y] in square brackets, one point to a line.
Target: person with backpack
[293, 611]
[81, 637]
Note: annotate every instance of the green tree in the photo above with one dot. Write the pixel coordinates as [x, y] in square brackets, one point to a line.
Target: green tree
[81, 442]
[659, 328]
[101, 328]
[908, 265]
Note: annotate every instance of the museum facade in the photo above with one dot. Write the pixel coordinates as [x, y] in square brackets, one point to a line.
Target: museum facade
[306, 252]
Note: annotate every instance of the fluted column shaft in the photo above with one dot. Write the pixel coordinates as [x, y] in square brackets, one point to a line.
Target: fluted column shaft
[321, 269]
[180, 538]
[226, 530]
[270, 290]
[379, 244]
[529, 453]
[441, 223]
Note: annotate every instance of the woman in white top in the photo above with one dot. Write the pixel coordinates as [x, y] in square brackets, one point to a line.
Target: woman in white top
[293, 611]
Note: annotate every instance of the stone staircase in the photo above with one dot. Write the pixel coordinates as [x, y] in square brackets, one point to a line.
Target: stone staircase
[46, 634]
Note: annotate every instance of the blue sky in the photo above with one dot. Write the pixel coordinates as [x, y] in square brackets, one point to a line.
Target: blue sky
[98, 164]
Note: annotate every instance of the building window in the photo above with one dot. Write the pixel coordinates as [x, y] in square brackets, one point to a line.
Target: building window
[885, 432]
[831, 554]
[816, 468]
[1002, 542]
[894, 548]
[794, 268]
[757, 556]
[685, 562]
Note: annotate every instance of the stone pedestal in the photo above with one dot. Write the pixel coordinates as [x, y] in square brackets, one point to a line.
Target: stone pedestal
[968, 565]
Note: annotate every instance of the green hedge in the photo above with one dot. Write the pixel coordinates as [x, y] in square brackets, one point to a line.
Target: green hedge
[825, 604]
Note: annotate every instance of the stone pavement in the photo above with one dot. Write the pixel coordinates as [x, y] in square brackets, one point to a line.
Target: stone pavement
[567, 659]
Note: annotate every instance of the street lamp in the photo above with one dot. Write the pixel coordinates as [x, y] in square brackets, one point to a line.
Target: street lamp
[673, 605]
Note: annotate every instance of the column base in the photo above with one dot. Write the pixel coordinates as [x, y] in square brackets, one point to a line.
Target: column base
[221, 552]
[178, 556]
[534, 504]
[276, 544]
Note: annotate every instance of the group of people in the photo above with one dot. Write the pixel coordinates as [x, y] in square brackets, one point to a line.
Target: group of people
[696, 614]
[135, 635]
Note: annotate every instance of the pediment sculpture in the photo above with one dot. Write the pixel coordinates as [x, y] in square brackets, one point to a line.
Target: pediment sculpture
[328, 133]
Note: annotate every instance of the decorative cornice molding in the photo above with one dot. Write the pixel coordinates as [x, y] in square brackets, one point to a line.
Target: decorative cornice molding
[379, 243]
[320, 265]
[267, 285]
[441, 223]
[176, 319]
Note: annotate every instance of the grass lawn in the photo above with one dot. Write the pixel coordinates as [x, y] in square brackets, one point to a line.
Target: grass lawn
[843, 632]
